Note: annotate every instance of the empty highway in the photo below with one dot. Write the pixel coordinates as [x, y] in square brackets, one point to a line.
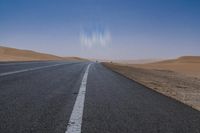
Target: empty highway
[84, 97]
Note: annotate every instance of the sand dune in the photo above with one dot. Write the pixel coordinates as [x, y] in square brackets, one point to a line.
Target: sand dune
[75, 59]
[13, 54]
[140, 61]
[188, 65]
[182, 59]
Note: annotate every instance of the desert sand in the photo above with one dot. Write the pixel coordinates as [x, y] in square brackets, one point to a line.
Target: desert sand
[177, 78]
[187, 65]
[13, 54]
[139, 61]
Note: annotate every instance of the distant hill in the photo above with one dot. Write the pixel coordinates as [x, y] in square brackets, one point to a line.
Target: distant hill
[190, 58]
[183, 59]
[75, 59]
[188, 65]
[13, 54]
[141, 61]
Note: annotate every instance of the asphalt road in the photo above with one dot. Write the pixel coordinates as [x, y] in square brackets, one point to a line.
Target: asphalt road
[42, 100]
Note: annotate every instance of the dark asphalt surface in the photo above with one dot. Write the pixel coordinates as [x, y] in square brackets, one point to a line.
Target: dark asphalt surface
[41, 101]
[13, 66]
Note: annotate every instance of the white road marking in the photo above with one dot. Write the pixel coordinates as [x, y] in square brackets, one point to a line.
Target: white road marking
[19, 63]
[74, 125]
[29, 69]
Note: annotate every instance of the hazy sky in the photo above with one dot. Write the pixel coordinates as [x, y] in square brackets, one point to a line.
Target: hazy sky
[113, 29]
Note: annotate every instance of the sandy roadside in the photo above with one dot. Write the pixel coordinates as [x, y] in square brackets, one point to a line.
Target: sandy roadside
[173, 84]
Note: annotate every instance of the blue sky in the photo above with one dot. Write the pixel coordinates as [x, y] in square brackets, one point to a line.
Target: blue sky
[108, 29]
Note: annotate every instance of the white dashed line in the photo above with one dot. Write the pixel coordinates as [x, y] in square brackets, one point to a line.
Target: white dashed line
[74, 125]
[17, 63]
[29, 69]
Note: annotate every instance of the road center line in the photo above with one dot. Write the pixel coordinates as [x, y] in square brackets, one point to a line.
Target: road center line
[29, 69]
[74, 124]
